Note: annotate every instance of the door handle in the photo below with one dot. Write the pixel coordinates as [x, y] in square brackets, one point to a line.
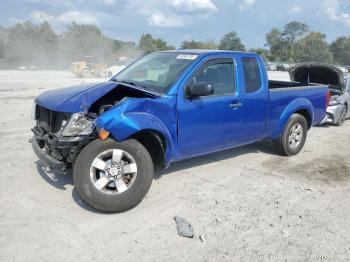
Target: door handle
[235, 105]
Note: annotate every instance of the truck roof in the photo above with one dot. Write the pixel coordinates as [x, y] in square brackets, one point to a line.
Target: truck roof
[207, 51]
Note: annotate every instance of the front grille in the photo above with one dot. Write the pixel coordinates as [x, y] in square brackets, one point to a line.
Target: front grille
[50, 121]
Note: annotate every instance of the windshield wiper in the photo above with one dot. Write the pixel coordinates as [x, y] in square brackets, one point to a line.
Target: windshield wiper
[128, 83]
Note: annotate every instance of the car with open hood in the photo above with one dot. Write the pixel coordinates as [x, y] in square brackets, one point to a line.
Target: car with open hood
[338, 109]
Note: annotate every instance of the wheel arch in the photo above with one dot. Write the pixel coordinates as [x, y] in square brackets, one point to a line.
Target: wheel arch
[300, 106]
[155, 143]
[147, 129]
[306, 114]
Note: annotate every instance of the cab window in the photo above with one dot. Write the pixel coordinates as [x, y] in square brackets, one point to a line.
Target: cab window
[251, 74]
[218, 73]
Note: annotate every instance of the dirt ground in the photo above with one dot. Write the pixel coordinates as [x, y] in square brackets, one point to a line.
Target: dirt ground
[247, 204]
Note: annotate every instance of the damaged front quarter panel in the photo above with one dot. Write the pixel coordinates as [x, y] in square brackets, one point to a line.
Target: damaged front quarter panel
[136, 114]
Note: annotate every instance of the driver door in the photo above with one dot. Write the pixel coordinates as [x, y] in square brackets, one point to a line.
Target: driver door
[210, 123]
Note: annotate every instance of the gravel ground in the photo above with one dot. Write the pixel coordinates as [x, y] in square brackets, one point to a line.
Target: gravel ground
[245, 204]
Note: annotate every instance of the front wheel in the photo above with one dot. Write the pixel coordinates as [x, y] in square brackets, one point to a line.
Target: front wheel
[293, 137]
[112, 176]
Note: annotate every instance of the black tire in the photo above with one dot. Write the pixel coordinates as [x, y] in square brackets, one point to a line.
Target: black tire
[113, 202]
[342, 116]
[282, 143]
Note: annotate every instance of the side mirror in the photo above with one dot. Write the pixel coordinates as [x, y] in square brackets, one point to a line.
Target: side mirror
[200, 89]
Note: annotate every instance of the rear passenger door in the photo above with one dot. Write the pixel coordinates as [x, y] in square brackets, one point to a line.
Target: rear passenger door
[255, 97]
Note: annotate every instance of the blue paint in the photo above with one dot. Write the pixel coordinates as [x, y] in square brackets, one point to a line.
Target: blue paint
[198, 126]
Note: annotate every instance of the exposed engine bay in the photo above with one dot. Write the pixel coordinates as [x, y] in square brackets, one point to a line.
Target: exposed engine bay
[113, 97]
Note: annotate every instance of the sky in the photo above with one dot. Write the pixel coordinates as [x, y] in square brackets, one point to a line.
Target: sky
[179, 20]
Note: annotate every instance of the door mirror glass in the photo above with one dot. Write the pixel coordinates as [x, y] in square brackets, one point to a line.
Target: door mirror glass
[200, 89]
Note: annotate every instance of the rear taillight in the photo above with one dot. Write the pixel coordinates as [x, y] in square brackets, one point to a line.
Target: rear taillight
[328, 97]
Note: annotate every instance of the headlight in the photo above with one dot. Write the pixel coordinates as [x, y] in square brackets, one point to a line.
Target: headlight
[34, 111]
[79, 124]
[334, 102]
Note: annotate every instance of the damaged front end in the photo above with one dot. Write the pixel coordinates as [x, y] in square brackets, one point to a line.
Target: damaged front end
[66, 119]
[59, 137]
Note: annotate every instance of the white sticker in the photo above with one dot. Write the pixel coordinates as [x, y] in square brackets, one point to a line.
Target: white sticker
[187, 57]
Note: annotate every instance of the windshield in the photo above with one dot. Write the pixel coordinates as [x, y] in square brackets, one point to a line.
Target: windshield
[157, 71]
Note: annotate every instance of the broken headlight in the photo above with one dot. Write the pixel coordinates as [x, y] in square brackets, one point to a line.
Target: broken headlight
[79, 124]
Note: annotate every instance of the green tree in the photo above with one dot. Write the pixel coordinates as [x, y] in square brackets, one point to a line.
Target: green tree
[313, 48]
[47, 42]
[198, 45]
[277, 45]
[27, 43]
[231, 41]
[82, 40]
[341, 50]
[148, 44]
[292, 32]
[282, 43]
[262, 52]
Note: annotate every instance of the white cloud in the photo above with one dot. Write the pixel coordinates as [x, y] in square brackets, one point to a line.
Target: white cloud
[295, 10]
[40, 17]
[337, 10]
[194, 5]
[159, 19]
[109, 2]
[246, 4]
[78, 17]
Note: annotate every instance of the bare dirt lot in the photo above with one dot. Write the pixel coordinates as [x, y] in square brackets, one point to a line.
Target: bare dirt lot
[247, 204]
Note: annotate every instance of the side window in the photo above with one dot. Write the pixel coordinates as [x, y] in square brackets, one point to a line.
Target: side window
[251, 74]
[220, 75]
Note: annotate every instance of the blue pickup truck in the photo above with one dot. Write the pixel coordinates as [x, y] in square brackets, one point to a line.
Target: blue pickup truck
[166, 107]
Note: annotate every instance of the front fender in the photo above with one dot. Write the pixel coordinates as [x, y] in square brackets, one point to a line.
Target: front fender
[294, 106]
[123, 125]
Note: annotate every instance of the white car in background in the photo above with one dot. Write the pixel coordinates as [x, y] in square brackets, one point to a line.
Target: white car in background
[339, 106]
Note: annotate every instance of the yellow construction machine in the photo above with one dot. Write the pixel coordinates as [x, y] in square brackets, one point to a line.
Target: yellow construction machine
[88, 67]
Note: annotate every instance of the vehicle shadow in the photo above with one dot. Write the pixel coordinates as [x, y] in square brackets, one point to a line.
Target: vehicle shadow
[56, 179]
[265, 146]
[60, 180]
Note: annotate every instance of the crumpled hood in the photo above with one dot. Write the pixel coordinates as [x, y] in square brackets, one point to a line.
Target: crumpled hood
[75, 98]
[318, 73]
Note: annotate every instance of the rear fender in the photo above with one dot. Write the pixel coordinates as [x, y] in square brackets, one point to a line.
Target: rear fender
[293, 107]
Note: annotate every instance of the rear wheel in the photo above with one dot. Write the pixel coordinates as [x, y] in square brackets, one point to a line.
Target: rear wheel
[342, 116]
[293, 137]
[112, 176]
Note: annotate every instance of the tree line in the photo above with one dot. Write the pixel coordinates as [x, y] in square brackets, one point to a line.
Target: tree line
[28, 43]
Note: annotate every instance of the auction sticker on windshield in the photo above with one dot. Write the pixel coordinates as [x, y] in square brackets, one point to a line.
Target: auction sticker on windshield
[187, 57]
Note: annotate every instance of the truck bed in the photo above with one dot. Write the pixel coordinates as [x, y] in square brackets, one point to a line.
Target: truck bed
[282, 94]
[273, 84]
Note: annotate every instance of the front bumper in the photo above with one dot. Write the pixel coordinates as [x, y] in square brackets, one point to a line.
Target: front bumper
[57, 152]
[45, 158]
